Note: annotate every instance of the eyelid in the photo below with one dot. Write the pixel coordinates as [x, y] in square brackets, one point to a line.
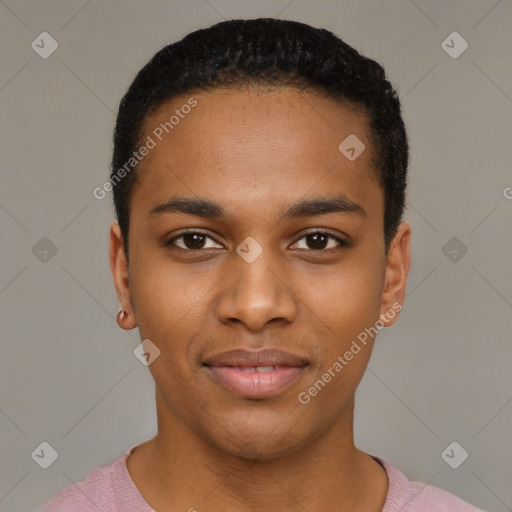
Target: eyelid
[189, 231]
[343, 241]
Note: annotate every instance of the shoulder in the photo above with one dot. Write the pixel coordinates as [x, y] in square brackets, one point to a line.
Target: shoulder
[406, 496]
[97, 492]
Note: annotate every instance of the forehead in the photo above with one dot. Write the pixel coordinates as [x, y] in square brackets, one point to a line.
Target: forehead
[257, 145]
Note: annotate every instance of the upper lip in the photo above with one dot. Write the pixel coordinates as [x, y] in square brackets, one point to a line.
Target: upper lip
[265, 357]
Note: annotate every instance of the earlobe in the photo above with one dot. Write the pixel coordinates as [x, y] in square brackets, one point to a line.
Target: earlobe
[125, 319]
[397, 270]
[119, 267]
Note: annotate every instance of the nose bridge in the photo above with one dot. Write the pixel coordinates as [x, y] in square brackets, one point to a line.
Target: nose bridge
[254, 294]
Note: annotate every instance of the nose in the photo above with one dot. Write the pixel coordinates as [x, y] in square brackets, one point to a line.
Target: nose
[256, 294]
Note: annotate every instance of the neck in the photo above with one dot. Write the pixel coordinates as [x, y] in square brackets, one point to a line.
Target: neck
[180, 469]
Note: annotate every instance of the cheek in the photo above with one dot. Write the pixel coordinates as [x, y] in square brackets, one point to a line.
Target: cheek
[345, 308]
[163, 293]
[171, 308]
[347, 298]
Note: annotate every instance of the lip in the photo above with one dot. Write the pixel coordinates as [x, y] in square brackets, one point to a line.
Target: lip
[256, 375]
[246, 358]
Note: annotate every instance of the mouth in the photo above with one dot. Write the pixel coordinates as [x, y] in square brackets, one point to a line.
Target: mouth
[255, 375]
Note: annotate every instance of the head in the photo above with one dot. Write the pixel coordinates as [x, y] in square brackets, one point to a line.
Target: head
[243, 126]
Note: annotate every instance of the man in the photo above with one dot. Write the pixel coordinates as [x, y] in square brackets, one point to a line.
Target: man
[259, 177]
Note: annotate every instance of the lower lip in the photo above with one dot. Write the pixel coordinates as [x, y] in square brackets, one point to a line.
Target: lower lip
[256, 384]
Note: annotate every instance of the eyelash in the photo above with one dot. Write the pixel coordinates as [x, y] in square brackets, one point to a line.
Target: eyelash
[330, 236]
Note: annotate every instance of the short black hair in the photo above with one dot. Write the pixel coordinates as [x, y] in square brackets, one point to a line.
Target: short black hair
[273, 53]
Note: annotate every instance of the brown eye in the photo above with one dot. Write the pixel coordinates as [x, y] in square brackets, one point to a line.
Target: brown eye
[319, 241]
[193, 241]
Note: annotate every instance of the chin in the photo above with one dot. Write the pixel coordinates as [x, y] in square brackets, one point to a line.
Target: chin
[257, 440]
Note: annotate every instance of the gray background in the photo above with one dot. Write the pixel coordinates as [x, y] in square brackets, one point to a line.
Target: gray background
[68, 373]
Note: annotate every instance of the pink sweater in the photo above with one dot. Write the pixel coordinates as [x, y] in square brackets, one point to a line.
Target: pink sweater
[111, 489]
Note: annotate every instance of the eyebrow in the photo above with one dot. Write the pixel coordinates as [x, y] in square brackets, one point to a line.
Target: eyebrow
[208, 209]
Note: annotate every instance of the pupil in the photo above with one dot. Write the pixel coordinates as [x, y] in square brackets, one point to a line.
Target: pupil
[319, 241]
[194, 241]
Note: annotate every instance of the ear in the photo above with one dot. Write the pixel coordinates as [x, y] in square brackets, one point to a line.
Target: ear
[397, 270]
[119, 268]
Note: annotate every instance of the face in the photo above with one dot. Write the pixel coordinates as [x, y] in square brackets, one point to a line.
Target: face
[250, 230]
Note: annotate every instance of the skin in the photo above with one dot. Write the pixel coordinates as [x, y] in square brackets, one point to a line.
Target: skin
[256, 153]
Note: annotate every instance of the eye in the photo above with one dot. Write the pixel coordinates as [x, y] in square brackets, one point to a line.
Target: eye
[193, 241]
[320, 240]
